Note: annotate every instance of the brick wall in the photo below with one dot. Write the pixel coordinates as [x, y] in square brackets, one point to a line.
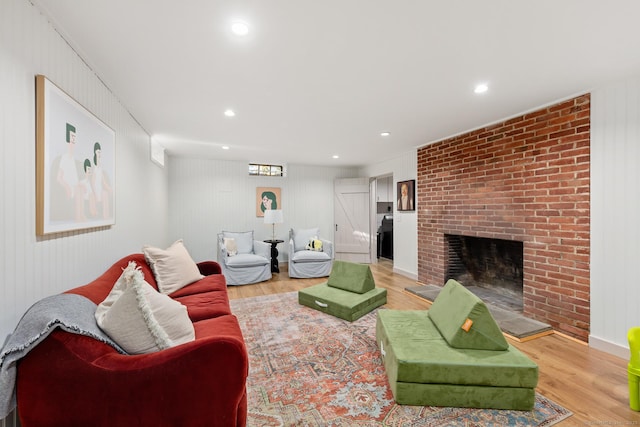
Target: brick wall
[524, 179]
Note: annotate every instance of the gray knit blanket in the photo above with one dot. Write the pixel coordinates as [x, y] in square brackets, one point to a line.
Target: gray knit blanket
[70, 312]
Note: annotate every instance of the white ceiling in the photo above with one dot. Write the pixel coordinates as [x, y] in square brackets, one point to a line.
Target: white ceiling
[317, 78]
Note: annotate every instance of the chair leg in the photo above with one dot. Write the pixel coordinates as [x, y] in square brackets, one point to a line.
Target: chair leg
[634, 392]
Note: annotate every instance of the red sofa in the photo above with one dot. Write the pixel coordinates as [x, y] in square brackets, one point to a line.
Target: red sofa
[75, 380]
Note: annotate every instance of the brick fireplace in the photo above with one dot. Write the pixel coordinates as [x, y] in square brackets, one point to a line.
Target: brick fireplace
[525, 179]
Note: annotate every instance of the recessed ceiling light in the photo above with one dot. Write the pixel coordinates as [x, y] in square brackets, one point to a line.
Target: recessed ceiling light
[481, 88]
[335, 156]
[229, 113]
[225, 147]
[240, 28]
[385, 133]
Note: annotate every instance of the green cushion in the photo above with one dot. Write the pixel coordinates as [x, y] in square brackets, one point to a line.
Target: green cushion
[340, 303]
[351, 277]
[464, 320]
[464, 396]
[414, 351]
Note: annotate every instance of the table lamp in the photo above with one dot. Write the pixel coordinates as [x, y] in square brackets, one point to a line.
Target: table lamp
[273, 217]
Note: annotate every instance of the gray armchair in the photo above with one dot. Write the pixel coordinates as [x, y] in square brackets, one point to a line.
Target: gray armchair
[243, 259]
[307, 259]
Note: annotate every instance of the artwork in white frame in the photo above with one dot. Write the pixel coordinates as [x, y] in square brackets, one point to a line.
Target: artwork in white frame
[75, 164]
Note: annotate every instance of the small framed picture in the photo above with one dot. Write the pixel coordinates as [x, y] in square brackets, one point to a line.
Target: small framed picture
[267, 198]
[406, 195]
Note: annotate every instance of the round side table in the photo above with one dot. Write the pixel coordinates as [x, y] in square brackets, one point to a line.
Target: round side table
[274, 254]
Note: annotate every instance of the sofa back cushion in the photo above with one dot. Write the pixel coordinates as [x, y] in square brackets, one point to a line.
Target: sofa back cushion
[301, 238]
[351, 277]
[98, 289]
[464, 320]
[243, 240]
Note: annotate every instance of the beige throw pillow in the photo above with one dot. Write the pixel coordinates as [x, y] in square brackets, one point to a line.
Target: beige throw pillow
[173, 267]
[231, 246]
[140, 319]
[116, 291]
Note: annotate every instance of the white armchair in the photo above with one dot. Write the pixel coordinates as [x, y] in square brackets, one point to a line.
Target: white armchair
[306, 258]
[243, 260]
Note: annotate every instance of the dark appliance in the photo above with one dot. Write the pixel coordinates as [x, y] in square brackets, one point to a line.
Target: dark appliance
[385, 237]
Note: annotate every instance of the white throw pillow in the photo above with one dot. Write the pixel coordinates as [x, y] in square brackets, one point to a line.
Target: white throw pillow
[231, 246]
[140, 319]
[173, 267]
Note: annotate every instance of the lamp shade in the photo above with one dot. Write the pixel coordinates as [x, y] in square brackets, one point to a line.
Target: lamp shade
[273, 216]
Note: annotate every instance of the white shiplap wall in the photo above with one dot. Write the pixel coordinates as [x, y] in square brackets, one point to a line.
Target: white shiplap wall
[208, 196]
[31, 267]
[615, 214]
[405, 224]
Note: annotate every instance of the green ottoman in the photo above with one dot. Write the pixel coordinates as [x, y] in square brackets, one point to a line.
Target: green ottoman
[455, 356]
[349, 294]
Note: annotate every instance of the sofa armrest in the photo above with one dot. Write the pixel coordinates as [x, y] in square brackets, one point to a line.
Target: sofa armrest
[262, 248]
[222, 250]
[327, 246]
[77, 380]
[207, 268]
[290, 252]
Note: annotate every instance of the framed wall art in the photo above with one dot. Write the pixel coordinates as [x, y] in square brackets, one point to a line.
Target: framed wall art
[406, 195]
[75, 164]
[267, 198]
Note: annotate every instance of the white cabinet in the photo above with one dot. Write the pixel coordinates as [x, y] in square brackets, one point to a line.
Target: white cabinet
[385, 189]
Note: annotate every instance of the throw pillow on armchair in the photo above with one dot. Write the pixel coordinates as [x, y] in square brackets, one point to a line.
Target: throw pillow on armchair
[314, 244]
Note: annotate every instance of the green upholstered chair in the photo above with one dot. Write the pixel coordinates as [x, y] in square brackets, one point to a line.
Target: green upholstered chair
[633, 369]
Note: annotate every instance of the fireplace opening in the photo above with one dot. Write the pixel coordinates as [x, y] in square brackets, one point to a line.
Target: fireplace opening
[491, 268]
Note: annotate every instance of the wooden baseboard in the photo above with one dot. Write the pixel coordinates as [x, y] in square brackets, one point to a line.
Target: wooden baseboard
[530, 337]
[418, 297]
[569, 337]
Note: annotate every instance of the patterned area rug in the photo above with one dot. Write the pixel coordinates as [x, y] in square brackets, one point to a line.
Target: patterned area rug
[312, 369]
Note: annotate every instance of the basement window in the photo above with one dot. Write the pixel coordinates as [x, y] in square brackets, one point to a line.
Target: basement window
[265, 170]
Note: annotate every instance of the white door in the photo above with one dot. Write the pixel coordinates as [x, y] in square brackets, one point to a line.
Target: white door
[351, 235]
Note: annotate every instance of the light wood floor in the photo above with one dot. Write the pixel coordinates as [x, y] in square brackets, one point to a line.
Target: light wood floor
[590, 383]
